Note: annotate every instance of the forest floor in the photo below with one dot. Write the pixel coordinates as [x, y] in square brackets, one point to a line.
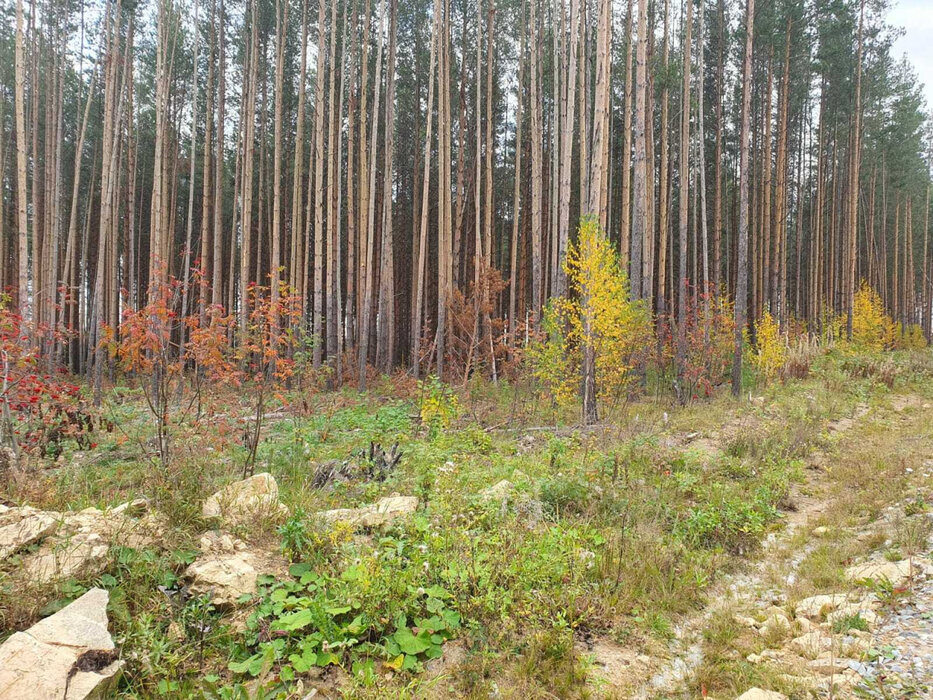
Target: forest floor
[778, 542]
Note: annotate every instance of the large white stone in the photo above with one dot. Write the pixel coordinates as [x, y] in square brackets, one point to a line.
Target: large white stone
[69, 655]
[225, 577]
[242, 502]
[83, 555]
[851, 610]
[897, 573]
[23, 526]
[225, 571]
[811, 644]
[759, 694]
[815, 607]
[377, 514]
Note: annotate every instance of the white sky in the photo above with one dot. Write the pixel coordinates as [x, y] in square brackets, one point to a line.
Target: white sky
[916, 18]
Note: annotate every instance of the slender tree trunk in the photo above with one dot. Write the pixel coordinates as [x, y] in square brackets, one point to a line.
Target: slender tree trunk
[741, 290]
[417, 320]
[566, 151]
[599, 159]
[536, 170]
[854, 163]
[717, 192]
[701, 151]
[275, 262]
[217, 264]
[516, 185]
[192, 158]
[385, 332]
[626, 217]
[663, 182]
[249, 150]
[640, 204]
[368, 251]
[333, 186]
[781, 189]
[21, 157]
[319, 110]
[684, 203]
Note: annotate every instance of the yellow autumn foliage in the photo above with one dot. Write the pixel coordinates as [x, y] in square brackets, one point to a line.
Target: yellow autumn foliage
[771, 346]
[597, 313]
[872, 328]
[911, 338]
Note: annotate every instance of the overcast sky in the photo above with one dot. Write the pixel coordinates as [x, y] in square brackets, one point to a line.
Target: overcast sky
[916, 17]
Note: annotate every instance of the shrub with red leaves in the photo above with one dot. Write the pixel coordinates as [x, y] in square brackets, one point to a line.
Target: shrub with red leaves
[40, 410]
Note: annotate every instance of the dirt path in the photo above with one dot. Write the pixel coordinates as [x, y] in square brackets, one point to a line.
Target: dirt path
[808, 645]
[734, 590]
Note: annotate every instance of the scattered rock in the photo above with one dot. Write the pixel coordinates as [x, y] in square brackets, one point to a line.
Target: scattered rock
[69, 655]
[134, 508]
[226, 578]
[759, 694]
[851, 610]
[827, 664]
[129, 524]
[23, 526]
[815, 607]
[855, 645]
[803, 625]
[897, 573]
[375, 515]
[820, 531]
[242, 502]
[776, 626]
[225, 570]
[501, 492]
[83, 555]
[811, 644]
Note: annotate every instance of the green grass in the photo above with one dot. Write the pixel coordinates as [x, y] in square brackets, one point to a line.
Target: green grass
[617, 531]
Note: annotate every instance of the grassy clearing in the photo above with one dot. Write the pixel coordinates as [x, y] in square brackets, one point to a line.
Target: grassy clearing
[870, 477]
[616, 532]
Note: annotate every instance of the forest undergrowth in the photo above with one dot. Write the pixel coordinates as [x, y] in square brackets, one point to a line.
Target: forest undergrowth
[535, 539]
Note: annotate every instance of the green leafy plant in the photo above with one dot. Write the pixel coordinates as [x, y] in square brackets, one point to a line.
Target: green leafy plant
[372, 611]
[439, 405]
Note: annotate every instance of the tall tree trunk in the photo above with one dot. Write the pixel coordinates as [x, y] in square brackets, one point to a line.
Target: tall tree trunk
[516, 185]
[249, 150]
[717, 192]
[640, 204]
[320, 107]
[854, 163]
[701, 151]
[599, 158]
[536, 169]
[192, 158]
[566, 151]
[684, 203]
[626, 217]
[333, 186]
[664, 181]
[417, 320]
[275, 262]
[368, 251]
[385, 333]
[780, 188]
[741, 287]
[206, 176]
[21, 157]
[217, 264]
